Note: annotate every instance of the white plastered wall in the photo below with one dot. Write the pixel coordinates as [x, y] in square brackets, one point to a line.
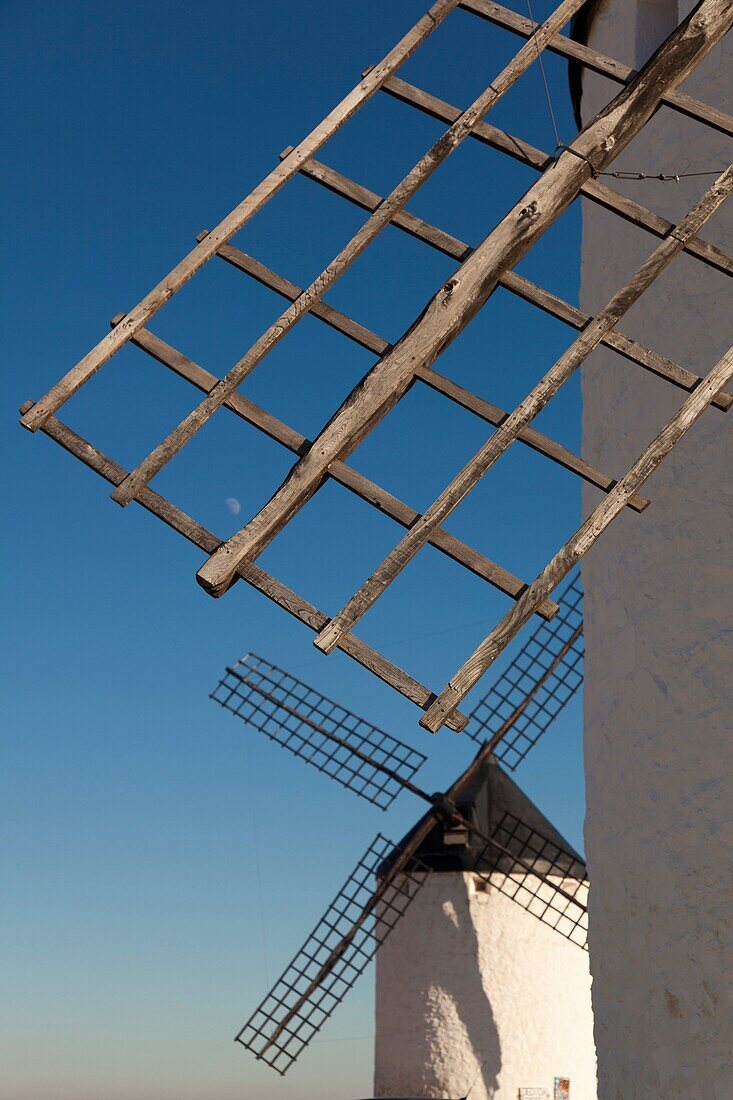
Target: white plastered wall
[468, 977]
[659, 627]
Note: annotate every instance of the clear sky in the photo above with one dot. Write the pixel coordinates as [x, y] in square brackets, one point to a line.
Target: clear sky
[161, 864]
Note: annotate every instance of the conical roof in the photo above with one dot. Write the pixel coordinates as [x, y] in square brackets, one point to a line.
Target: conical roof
[495, 804]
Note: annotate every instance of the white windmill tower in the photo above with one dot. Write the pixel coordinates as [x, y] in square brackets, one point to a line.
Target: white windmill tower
[658, 613]
[472, 992]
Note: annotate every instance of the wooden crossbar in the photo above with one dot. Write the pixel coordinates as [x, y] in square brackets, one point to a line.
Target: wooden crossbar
[516, 284]
[584, 538]
[438, 382]
[533, 403]
[457, 302]
[598, 63]
[377, 221]
[351, 479]
[226, 229]
[257, 578]
[520, 150]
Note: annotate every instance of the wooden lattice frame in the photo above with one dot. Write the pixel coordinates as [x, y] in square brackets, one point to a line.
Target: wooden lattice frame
[563, 177]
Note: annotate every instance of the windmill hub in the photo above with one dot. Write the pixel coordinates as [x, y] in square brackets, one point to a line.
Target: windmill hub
[444, 806]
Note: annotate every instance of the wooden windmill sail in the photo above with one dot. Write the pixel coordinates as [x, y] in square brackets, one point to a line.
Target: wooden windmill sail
[573, 171]
[491, 827]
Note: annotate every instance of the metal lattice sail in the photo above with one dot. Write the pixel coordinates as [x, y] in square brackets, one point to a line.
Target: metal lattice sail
[526, 699]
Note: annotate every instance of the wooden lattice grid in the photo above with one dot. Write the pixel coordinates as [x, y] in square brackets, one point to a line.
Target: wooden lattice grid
[571, 171]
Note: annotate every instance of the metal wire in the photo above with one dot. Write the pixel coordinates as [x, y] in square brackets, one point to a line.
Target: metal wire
[528, 696]
[337, 951]
[674, 177]
[548, 97]
[318, 730]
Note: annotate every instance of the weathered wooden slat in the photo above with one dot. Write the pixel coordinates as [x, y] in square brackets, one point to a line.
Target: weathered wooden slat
[375, 223]
[457, 302]
[287, 289]
[257, 578]
[233, 222]
[361, 486]
[584, 538]
[534, 439]
[525, 153]
[516, 284]
[491, 413]
[533, 403]
[599, 63]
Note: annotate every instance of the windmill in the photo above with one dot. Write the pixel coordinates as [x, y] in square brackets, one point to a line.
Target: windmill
[568, 172]
[522, 857]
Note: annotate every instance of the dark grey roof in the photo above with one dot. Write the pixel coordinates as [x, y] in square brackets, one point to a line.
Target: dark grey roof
[491, 795]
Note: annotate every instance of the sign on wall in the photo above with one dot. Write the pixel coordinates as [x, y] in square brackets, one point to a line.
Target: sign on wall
[561, 1091]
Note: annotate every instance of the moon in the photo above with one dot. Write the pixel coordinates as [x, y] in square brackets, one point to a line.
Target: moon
[233, 505]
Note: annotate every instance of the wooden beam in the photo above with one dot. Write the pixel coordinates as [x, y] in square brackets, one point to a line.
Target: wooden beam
[355, 482]
[375, 223]
[584, 538]
[533, 403]
[460, 298]
[492, 414]
[525, 153]
[516, 284]
[278, 593]
[598, 63]
[233, 222]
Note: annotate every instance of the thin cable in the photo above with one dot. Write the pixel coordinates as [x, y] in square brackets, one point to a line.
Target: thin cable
[258, 866]
[479, 1071]
[560, 146]
[622, 174]
[548, 97]
[346, 1039]
[398, 641]
[674, 177]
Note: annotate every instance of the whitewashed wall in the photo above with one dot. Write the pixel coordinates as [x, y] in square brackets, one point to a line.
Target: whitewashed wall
[659, 630]
[470, 977]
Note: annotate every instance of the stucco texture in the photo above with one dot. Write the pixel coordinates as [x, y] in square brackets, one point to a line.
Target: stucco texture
[468, 978]
[659, 627]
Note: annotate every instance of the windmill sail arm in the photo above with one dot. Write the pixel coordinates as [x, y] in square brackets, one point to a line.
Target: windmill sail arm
[530, 693]
[366, 760]
[533, 871]
[319, 976]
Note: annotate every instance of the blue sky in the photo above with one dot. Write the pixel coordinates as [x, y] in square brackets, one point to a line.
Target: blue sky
[162, 865]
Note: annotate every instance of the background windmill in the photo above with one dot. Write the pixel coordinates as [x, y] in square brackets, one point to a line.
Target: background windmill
[482, 820]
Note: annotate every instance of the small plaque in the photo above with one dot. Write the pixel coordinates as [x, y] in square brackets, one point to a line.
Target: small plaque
[562, 1088]
[534, 1094]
